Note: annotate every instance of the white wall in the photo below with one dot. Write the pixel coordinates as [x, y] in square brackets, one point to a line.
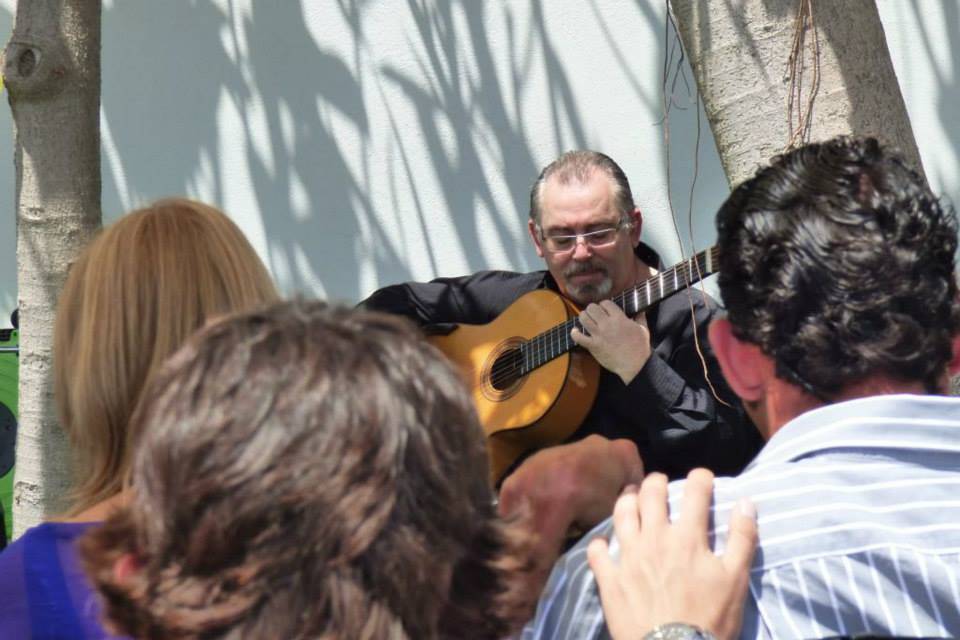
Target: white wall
[365, 142]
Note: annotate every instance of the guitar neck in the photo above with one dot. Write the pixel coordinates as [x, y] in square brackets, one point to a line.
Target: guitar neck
[556, 341]
[664, 284]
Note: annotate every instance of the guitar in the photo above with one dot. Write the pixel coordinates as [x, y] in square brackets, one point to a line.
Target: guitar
[531, 386]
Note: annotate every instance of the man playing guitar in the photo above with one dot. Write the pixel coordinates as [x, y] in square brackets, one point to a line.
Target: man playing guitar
[655, 410]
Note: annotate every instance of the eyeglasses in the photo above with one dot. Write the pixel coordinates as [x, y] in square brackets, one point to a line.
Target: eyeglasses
[562, 242]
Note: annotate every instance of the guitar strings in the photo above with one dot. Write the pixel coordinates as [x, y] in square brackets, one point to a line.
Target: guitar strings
[512, 363]
[548, 344]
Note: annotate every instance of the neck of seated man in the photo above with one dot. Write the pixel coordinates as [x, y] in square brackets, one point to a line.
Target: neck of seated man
[785, 401]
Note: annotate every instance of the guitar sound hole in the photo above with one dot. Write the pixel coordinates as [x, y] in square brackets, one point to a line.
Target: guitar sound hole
[507, 369]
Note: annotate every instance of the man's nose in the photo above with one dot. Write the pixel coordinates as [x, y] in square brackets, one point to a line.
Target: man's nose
[581, 249]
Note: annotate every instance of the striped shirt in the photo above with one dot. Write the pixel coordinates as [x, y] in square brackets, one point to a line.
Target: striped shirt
[859, 518]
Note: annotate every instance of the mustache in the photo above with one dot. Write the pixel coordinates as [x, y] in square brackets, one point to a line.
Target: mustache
[576, 268]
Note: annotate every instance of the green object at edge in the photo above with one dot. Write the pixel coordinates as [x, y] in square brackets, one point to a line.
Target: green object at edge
[9, 375]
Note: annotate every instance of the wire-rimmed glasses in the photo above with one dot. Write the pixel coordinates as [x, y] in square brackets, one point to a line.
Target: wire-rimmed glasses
[596, 239]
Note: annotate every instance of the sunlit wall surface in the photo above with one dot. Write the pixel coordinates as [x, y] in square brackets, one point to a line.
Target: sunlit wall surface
[364, 142]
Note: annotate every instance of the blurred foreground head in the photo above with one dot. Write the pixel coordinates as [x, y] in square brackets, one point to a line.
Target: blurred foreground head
[308, 471]
[132, 297]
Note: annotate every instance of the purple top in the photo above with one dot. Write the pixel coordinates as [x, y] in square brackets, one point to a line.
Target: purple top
[43, 591]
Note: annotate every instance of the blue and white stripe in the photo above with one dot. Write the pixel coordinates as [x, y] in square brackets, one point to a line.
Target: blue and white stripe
[859, 515]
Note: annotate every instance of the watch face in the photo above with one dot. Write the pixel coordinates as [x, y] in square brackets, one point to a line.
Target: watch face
[679, 631]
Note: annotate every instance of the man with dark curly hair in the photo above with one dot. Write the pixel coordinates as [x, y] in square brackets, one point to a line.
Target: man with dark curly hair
[837, 271]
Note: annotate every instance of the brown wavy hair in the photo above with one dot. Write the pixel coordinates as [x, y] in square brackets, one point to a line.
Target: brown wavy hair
[132, 297]
[310, 472]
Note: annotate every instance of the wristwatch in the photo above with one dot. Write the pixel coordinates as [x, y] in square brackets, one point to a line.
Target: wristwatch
[678, 631]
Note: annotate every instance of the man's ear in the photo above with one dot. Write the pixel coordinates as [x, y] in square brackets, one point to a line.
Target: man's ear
[745, 367]
[636, 217]
[954, 367]
[535, 235]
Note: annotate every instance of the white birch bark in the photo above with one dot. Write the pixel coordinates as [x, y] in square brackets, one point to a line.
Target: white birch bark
[51, 70]
[739, 51]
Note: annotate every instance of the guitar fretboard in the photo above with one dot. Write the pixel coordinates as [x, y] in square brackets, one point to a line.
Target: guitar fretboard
[556, 341]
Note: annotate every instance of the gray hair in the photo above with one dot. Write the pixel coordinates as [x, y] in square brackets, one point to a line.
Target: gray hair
[577, 166]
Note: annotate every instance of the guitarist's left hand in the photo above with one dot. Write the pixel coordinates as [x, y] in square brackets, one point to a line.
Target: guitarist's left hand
[619, 344]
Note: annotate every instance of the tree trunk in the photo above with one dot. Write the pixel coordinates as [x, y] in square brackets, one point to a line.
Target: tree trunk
[740, 55]
[51, 70]
[740, 52]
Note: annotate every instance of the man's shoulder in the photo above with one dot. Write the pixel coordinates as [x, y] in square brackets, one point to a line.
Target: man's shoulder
[473, 298]
[852, 491]
[485, 277]
[853, 529]
[498, 275]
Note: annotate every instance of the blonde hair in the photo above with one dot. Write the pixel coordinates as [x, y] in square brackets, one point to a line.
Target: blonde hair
[132, 297]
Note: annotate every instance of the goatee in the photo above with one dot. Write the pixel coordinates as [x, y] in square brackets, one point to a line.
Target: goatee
[584, 294]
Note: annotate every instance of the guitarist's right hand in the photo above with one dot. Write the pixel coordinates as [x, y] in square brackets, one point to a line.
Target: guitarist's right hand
[619, 344]
[569, 487]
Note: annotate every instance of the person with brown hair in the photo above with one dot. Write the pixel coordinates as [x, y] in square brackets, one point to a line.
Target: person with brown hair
[310, 472]
[131, 298]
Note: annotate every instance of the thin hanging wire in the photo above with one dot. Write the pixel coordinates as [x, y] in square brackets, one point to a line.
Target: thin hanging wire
[670, 28]
[800, 115]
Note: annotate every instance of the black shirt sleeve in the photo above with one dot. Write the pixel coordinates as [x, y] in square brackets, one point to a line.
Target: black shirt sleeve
[681, 417]
[473, 299]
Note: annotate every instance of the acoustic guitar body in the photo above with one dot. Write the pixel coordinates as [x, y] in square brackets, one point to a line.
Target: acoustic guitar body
[532, 411]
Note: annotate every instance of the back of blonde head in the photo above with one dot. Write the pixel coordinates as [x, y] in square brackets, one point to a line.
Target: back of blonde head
[134, 295]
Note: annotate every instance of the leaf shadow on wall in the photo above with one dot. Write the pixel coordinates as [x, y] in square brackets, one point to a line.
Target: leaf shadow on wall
[174, 75]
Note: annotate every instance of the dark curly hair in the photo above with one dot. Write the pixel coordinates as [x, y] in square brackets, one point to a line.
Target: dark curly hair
[309, 472]
[838, 262]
